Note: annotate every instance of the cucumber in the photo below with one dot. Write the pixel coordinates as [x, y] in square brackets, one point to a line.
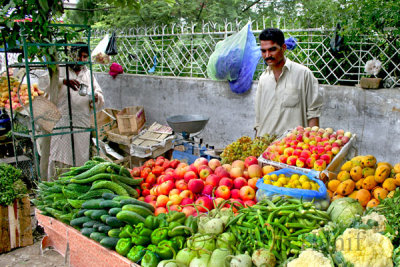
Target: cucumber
[92, 204]
[99, 168]
[104, 229]
[109, 242]
[81, 213]
[116, 188]
[96, 215]
[114, 232]
[78, 188]
[77, 204]
[88, 213]
[89, 224]
[108, 204]
[104, 217]
[97, 225]
[79, 221]
[138, 209]
[70, 194]
[131, 191]
[96, 236]
[114, 222]
[87, 231]
[130, 217]
[108, 196]
[114, 211]
[94, 194]
[137, 202]
[129, 181]
[119, 198]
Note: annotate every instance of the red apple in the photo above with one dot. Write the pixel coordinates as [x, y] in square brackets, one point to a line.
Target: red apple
[214, 163]
[223, 192]
[301, 162]
[206, 202]
[310, 162]
[181, 184]
[196, 185]
[212, 179]
[247, 193]
[180, 172]
[305, 154]
[135, 172]
[165, 187]
[246, 174]
[239, 182]
[235, 193]
[326, 158]
[189, 211]
[174, 200]
[204, 171]
[150, 198]
[160, 210]
[251, 160]
[319, 165]
[288, 151]
[145, 192]
[227, 167]
[221, 172]
[208, 190]
[227, 182]
[190, 175]
[254, 171]
[200, 161]
[238, 164]
[283, 158]
[175, 208]
[249, 203]
[174, 191]
[192, 168]
[187, 194]
[217, 201]
[236, 172]
[291, 160]
[187, 201]
[335, 150]
[162, 201]
[252, 182]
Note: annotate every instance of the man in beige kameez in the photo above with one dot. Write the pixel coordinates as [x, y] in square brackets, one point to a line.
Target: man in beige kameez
[287, 93]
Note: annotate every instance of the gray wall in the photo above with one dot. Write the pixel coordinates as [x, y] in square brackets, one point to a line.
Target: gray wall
[374, 115]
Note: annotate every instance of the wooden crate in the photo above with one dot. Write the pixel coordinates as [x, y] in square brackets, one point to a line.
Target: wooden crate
[130, 120]
[115, 136]
[15, 225]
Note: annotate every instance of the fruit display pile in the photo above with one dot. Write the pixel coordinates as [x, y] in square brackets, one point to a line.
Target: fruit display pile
[245, 147]
[22, 93]
[178, 185]
[310, 148]
[365, 179]
[294, 181]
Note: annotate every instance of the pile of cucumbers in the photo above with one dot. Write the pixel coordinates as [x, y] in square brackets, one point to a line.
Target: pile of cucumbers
[103, 218]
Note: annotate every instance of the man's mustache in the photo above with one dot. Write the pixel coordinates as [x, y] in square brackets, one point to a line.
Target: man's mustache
[269, 58]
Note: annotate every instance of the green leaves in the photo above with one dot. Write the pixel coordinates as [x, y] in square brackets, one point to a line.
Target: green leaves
[10, 184]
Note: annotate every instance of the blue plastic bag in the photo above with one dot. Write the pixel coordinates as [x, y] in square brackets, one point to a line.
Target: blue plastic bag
[235, 59]
[269, 191]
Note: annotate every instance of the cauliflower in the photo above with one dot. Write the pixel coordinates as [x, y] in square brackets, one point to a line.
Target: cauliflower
[365, 248]
[304, 259]
[380, 219]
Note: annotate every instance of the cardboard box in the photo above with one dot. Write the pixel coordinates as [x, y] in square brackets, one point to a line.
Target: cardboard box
[106, 121]
[130, 120]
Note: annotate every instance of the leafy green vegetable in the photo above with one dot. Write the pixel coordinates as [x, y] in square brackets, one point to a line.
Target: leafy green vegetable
[11, 187]
[345, 210]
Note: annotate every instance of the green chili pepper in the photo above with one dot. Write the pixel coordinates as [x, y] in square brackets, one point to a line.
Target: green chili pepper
[152, 222]
[159, 235]
[178, 241]
[150, 259]
[191, 222]
[165, 249]
[123, 246]
[127, 231]
[136, 253]
[175, 216]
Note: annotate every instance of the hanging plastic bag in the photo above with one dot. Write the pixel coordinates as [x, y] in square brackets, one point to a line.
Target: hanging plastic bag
[337, 42]
[111, 49]
[99, 55]
[320, 197]
[235, 59]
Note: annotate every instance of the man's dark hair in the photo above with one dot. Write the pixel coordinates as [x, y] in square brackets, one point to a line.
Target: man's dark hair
[273, 34]
[81, 49]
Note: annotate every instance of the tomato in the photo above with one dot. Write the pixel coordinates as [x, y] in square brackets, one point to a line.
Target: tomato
[157, 170]
[145, 172]
[149, 163]
[145, 186]
[135, 172]
[151, 178]
[174, 163]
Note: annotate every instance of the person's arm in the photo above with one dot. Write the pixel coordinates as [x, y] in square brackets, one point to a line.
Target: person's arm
[257, 107]
[313, 122]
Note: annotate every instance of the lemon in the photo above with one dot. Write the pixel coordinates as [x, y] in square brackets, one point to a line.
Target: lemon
[268, 177]
[299, 187]
[306, 185]
[282, 180]
[296, 183]
[295, 176]
[281, 175]
[274, 177]
[314, 186]
[277, 184]
[266, 181]
[303, 179]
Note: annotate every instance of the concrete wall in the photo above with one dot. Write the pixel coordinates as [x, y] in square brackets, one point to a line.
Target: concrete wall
[374, 115]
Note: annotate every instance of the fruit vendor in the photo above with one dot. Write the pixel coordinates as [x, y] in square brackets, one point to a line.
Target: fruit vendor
[60, 156]
[287, 93]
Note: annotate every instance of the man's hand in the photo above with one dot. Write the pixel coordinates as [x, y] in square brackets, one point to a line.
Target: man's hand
[313, 122]
[73, 84]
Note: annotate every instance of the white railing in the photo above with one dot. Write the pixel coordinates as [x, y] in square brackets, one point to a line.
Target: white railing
[184, 50]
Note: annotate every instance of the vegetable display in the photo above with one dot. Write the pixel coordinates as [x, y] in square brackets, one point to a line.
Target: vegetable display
[11, 185]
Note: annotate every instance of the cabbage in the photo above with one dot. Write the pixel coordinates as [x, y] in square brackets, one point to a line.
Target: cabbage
[345, 210]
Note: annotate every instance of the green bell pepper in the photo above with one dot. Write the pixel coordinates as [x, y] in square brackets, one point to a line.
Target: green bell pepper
[140, 240]
[141, 235]
[152, 222]
[123, 246]
[165, 249]
[150, 259]
[127, 231]
[136, 253]
[162, 218]
[175, 229]
[159, 235]
[178, 242]
[152, 247]
[141, 230]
